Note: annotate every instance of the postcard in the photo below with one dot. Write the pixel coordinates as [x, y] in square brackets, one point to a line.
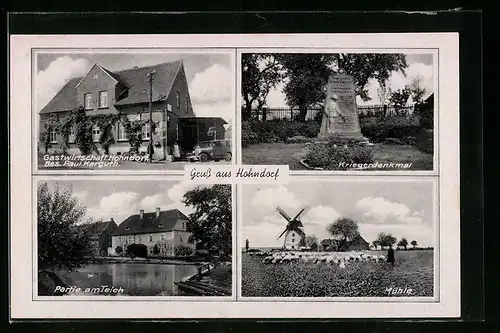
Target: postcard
[234, 176]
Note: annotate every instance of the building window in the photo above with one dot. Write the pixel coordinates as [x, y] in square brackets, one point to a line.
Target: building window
[103, 99]
[150, 238]
[96, 133]
[180, 238]
[88, 101]
[119, 240]
[53, 135]
[72, 134]
[293, 240]
[146, 130]
[122, 134]
[178, 99]
[162, 237]
[186, 103]
[169, 107]
[293, 234]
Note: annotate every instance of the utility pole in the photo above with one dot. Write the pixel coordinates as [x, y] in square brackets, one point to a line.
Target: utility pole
[150, 147]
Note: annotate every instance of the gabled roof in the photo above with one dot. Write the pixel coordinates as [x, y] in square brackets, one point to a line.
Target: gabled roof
[358, 240]
[97, 228]
[134, 80]
[150, 223]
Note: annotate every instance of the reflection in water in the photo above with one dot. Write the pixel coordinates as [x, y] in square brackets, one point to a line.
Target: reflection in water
[135, 279]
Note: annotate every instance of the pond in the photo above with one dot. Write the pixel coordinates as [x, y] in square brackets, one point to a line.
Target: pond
[129, 278]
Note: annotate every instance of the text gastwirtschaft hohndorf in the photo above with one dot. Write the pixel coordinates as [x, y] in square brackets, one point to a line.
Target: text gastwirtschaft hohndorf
[246, 174]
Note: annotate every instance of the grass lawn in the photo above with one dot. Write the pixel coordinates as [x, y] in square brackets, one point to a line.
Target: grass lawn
[292, 153]
[413, 269]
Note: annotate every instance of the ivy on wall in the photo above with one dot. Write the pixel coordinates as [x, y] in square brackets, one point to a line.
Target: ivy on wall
[83, 123]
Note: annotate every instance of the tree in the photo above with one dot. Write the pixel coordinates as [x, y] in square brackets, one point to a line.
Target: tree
[376, 244]
[83, 131]
[259, 74]
[211, 222]
[416, 89]
[156, 249]
[345, 228]
[403, 243]
[384, 95]
[386, 239]
[414, 243]
[307, 73]
[399, 98]
[302, 242]
[62, 244]
[247, 245]
[119, 250]
[366, 66]
[310, 240]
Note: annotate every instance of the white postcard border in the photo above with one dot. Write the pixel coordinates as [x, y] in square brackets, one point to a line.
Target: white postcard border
[22, 305]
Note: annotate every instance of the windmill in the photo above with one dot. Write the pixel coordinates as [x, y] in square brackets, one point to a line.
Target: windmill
[294, 231]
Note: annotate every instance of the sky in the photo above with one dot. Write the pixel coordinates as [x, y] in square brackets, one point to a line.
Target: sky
[117, 199]
[210, 76]
[419, 65]
[402, 208]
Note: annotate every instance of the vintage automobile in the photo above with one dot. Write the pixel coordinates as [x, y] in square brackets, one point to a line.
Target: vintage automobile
[215, 150]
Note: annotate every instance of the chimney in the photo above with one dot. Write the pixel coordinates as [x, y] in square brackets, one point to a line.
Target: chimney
[142, 213]
[111, 219]
[157, 211]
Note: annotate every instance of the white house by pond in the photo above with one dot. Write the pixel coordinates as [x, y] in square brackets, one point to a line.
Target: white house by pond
[167, 229]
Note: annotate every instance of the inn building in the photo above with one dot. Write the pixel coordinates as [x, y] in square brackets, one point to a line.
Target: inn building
[102, 91]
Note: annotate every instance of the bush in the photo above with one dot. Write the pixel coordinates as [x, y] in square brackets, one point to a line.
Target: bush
[396, 127]
[425, 141]
[276, 130]
[394, 141]
[118, 250]
[329, 157]
[137, 250]
[182, 250]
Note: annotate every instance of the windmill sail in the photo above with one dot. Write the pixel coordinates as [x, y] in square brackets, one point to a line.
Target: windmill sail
[282, 213]
[297, 216]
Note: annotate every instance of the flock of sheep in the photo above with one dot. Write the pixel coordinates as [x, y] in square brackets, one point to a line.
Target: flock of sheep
[340, 259]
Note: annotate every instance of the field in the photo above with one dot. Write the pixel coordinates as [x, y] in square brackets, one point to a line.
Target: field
[413, 270]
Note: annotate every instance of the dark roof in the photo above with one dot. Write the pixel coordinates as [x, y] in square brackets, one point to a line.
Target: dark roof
[97, 228]
[325, 242]
[134, 80]
[358, 240]
[150, 223]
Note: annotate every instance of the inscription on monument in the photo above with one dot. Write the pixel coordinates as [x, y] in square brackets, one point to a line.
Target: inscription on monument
[340, 111]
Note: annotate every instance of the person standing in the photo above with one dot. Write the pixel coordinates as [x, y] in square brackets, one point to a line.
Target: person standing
[390, 256]
[176, 152]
